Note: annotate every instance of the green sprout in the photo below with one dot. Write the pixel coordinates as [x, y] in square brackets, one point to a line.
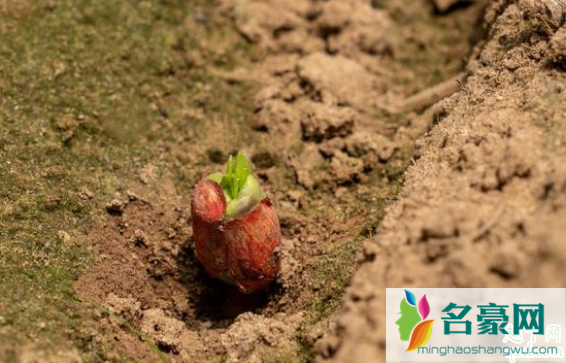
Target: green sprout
[240, 187]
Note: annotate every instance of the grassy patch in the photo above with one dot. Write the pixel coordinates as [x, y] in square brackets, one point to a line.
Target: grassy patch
[91, 91]
[332, 274]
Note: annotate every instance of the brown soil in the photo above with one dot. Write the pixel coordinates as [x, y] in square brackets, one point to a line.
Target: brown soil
[485, 203]
[334, 128]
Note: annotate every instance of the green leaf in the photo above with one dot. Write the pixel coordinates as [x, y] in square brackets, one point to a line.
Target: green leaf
[217, 177]
[230, 166]
[240, 187]
[227, 185]
[242, 169]
[249, 196]
[229, 182]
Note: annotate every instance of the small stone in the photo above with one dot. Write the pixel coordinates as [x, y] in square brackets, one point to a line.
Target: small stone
[116, 206]
[131, 196]
[294, 195]
[67, 136]
[64, 236]
[85, 194]
[171, 233]
[139, 238]
[147, 173]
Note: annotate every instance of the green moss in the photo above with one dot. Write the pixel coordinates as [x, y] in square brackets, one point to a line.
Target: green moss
[306, 353]
[332, 276]
[91, 91]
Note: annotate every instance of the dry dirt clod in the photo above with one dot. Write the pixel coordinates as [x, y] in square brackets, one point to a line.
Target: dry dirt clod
[128, 308]
[171, 334]
[361, 144]
[346, 169]
[251, 335]
[139, 238]
[356, 29]
[116, 206]
[64, 236]
[324, 122]
[345, 80]
[306, 165]
[85, 193]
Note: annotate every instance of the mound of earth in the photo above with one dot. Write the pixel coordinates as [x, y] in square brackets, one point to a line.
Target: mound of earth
[485, 203]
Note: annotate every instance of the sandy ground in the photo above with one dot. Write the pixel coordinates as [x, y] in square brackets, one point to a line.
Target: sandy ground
[330, 109]
[484, 205]
[377, 184]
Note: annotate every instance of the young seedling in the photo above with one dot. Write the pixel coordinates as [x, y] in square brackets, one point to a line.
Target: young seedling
[235, 227]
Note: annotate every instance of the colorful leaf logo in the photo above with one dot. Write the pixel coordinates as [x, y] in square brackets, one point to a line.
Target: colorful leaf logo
[410, 298]
[424, 308]
[421, 334]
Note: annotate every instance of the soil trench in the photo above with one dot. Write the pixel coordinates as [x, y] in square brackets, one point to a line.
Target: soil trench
[343, 95]
[485, 203]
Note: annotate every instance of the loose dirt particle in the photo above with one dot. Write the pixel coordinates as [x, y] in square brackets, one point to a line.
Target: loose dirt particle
[321, 122]
[250, 335]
